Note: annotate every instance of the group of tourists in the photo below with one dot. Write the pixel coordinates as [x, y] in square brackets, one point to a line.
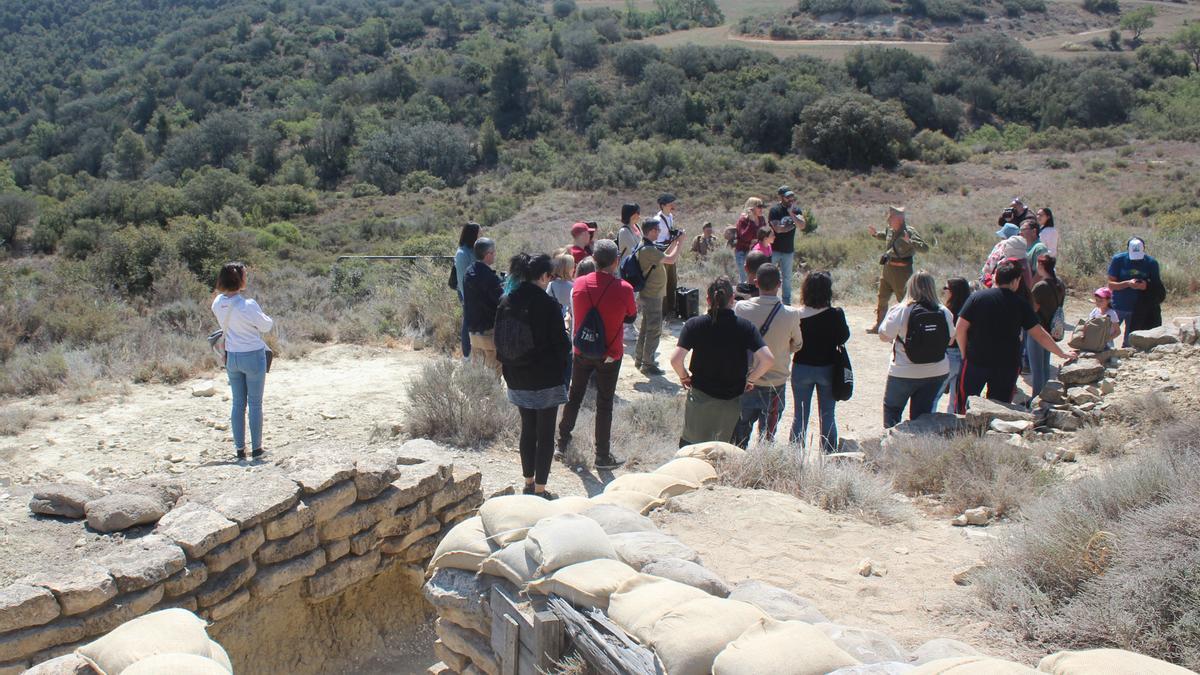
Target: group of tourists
[556, 325]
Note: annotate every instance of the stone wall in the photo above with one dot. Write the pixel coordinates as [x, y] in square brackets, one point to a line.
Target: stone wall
[313, 525]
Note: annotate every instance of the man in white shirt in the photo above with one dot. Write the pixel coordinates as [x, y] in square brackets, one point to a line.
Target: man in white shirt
[764, 403]
[666, 215]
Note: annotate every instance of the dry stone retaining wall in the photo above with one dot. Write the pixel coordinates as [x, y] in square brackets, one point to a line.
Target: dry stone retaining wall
[239, 536]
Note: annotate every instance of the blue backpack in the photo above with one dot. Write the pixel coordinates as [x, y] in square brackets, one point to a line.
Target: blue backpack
[631, 269]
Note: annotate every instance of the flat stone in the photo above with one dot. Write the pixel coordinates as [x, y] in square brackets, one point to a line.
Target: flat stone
[197, 529]
[164, 492]
[417, 482]
[223, 557]
[23, 606]
[79, 587]
[279, 550]
[290, 522]
[394, 545]
[421, 551]
[462, 597]
[63, 499]
[317, 472]
[1153, 337]
[357, 517]
[456, 513]
[204, 388]
[1083, 371]
[341, 575]
[1059, 419]
[1005, 427]
[124, 608]
[271, 579]
[271, 496]
[186, 580]
[1082, 397]
[1054, 392]
[373, 473]
[363, 542]
[456, 662]
[116, 512]
[689, 573]
[337, 549]
[962, 576]
[223, 585]
[229, 606]
[937, 423]
[979, 516]
[457, 490]
[981, 411]
[468, 643]
[67, 664]
[776, 602]
[139, 563]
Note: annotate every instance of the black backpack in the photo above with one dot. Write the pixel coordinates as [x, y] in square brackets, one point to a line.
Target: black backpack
[590, 338]
[631, 269]
[513, 335]
[928, 334]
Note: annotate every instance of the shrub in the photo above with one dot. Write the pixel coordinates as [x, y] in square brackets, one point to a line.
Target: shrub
[364, 190]
[1102, 6]
[853, 131]
[1056, 163]
[441, 149]
[966, 471]
[836, 487]
[17, 211]
[459, 403]
[933, 147]
[1098, 441]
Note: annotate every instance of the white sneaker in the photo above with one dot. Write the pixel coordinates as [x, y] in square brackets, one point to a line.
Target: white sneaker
[630, 332]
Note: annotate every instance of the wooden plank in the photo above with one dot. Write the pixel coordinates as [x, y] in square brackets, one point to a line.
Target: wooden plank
[605, 647]
[549, 639]
[508, 654]
[503, 605]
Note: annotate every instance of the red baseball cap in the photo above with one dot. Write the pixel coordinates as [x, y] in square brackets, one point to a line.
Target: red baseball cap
[580, 228]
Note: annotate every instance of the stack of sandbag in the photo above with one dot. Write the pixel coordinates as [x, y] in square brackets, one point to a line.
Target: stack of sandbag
[170, 641]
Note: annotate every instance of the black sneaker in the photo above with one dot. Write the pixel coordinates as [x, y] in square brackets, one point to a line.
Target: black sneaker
[547, 495]
[607, 462]
[258, 452]
[241, 454]
[528, 490]
[652, 370]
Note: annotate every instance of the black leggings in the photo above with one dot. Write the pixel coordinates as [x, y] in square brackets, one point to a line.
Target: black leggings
[537, 442]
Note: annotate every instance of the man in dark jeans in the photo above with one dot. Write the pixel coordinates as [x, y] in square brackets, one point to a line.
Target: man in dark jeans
[613, 299]
[988, 333]
[481, 293]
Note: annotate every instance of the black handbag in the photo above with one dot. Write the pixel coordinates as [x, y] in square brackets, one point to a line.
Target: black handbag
[843, 375]
[453, 282]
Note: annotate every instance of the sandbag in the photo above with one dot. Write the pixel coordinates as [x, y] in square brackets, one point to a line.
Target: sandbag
[1107, 661]
[782, 647]
[690, 469]
[513, 562]
[687, 572]
[572, 504]
[868, 646]
[176, 664]
[169, 631]
[638, 549]
[642, 600]
[615, 519]
[689, 637]
[882, 668]
[217, 653]
[464, 547]
[653, 484]
[507, 519]
[566, 539]
[776, 602]
[712, 451]
[634, 501]
[973, 665]
[586, 584]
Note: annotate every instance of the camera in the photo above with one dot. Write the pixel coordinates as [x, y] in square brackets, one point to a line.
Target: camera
[1009, 213]
[883, 259]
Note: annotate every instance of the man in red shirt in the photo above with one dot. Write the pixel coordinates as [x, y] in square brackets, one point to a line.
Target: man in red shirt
[613, 299]
[581, 246]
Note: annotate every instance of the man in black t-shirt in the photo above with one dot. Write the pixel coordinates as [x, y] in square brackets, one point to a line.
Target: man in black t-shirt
[988, 333]
[719, 374]
[785, 218]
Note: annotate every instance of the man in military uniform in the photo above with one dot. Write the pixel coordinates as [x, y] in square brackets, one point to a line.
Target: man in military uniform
[896, 263]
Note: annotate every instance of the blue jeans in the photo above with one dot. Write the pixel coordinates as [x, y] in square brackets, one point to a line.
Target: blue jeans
[761, 404]
[247, 376]
[1039, 364]
[785, 262]
[1125, 318]
[466, 335]
[955, 358]
[804, 380]
[739, 260]
[917, 393]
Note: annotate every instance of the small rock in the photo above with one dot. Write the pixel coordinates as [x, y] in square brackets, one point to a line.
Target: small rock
[1058, 419]
[1067, 456]
[1082, 397]
[981, 412]
[63, 499]
[174, 439]
[980, 515]
[978, 536]
[1107, 387]
[221, 426]
[864, 567]
[1084, 371]
[330, 415]
[1013, 427]
[962, 575]
[1053, 392]
[204, 389]
[1149, 339]
[122, 511]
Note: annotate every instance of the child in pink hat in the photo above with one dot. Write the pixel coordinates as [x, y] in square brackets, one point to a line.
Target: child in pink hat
[1103, 299]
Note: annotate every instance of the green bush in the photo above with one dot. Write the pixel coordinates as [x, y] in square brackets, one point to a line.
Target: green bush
[933, 147]
[1102, 6]
[853, 131]
[364, 190]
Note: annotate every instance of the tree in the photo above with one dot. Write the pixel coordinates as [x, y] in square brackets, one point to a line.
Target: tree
[489, 144]
[372, 36]
[853, 131]
[129, 155]
[1138, 21]
[17, 211]
[581, 46]
[1188, 39]
[510, 101]
[563, 8]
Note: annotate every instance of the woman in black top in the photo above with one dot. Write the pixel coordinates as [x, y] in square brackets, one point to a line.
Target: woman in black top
[530, 326]
[954, 296]
[824, 329]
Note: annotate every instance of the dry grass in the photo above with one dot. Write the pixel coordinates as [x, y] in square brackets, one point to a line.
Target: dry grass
[14, 420]
[642, 432]
[1110, 560]
[459, 403]
[837, 487]
[1094, 440]
[966, 471]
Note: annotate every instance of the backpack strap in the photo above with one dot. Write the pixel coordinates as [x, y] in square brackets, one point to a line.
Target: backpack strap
[770, 318]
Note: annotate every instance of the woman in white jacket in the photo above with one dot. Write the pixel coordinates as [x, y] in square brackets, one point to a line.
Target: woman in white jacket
[245, 354]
